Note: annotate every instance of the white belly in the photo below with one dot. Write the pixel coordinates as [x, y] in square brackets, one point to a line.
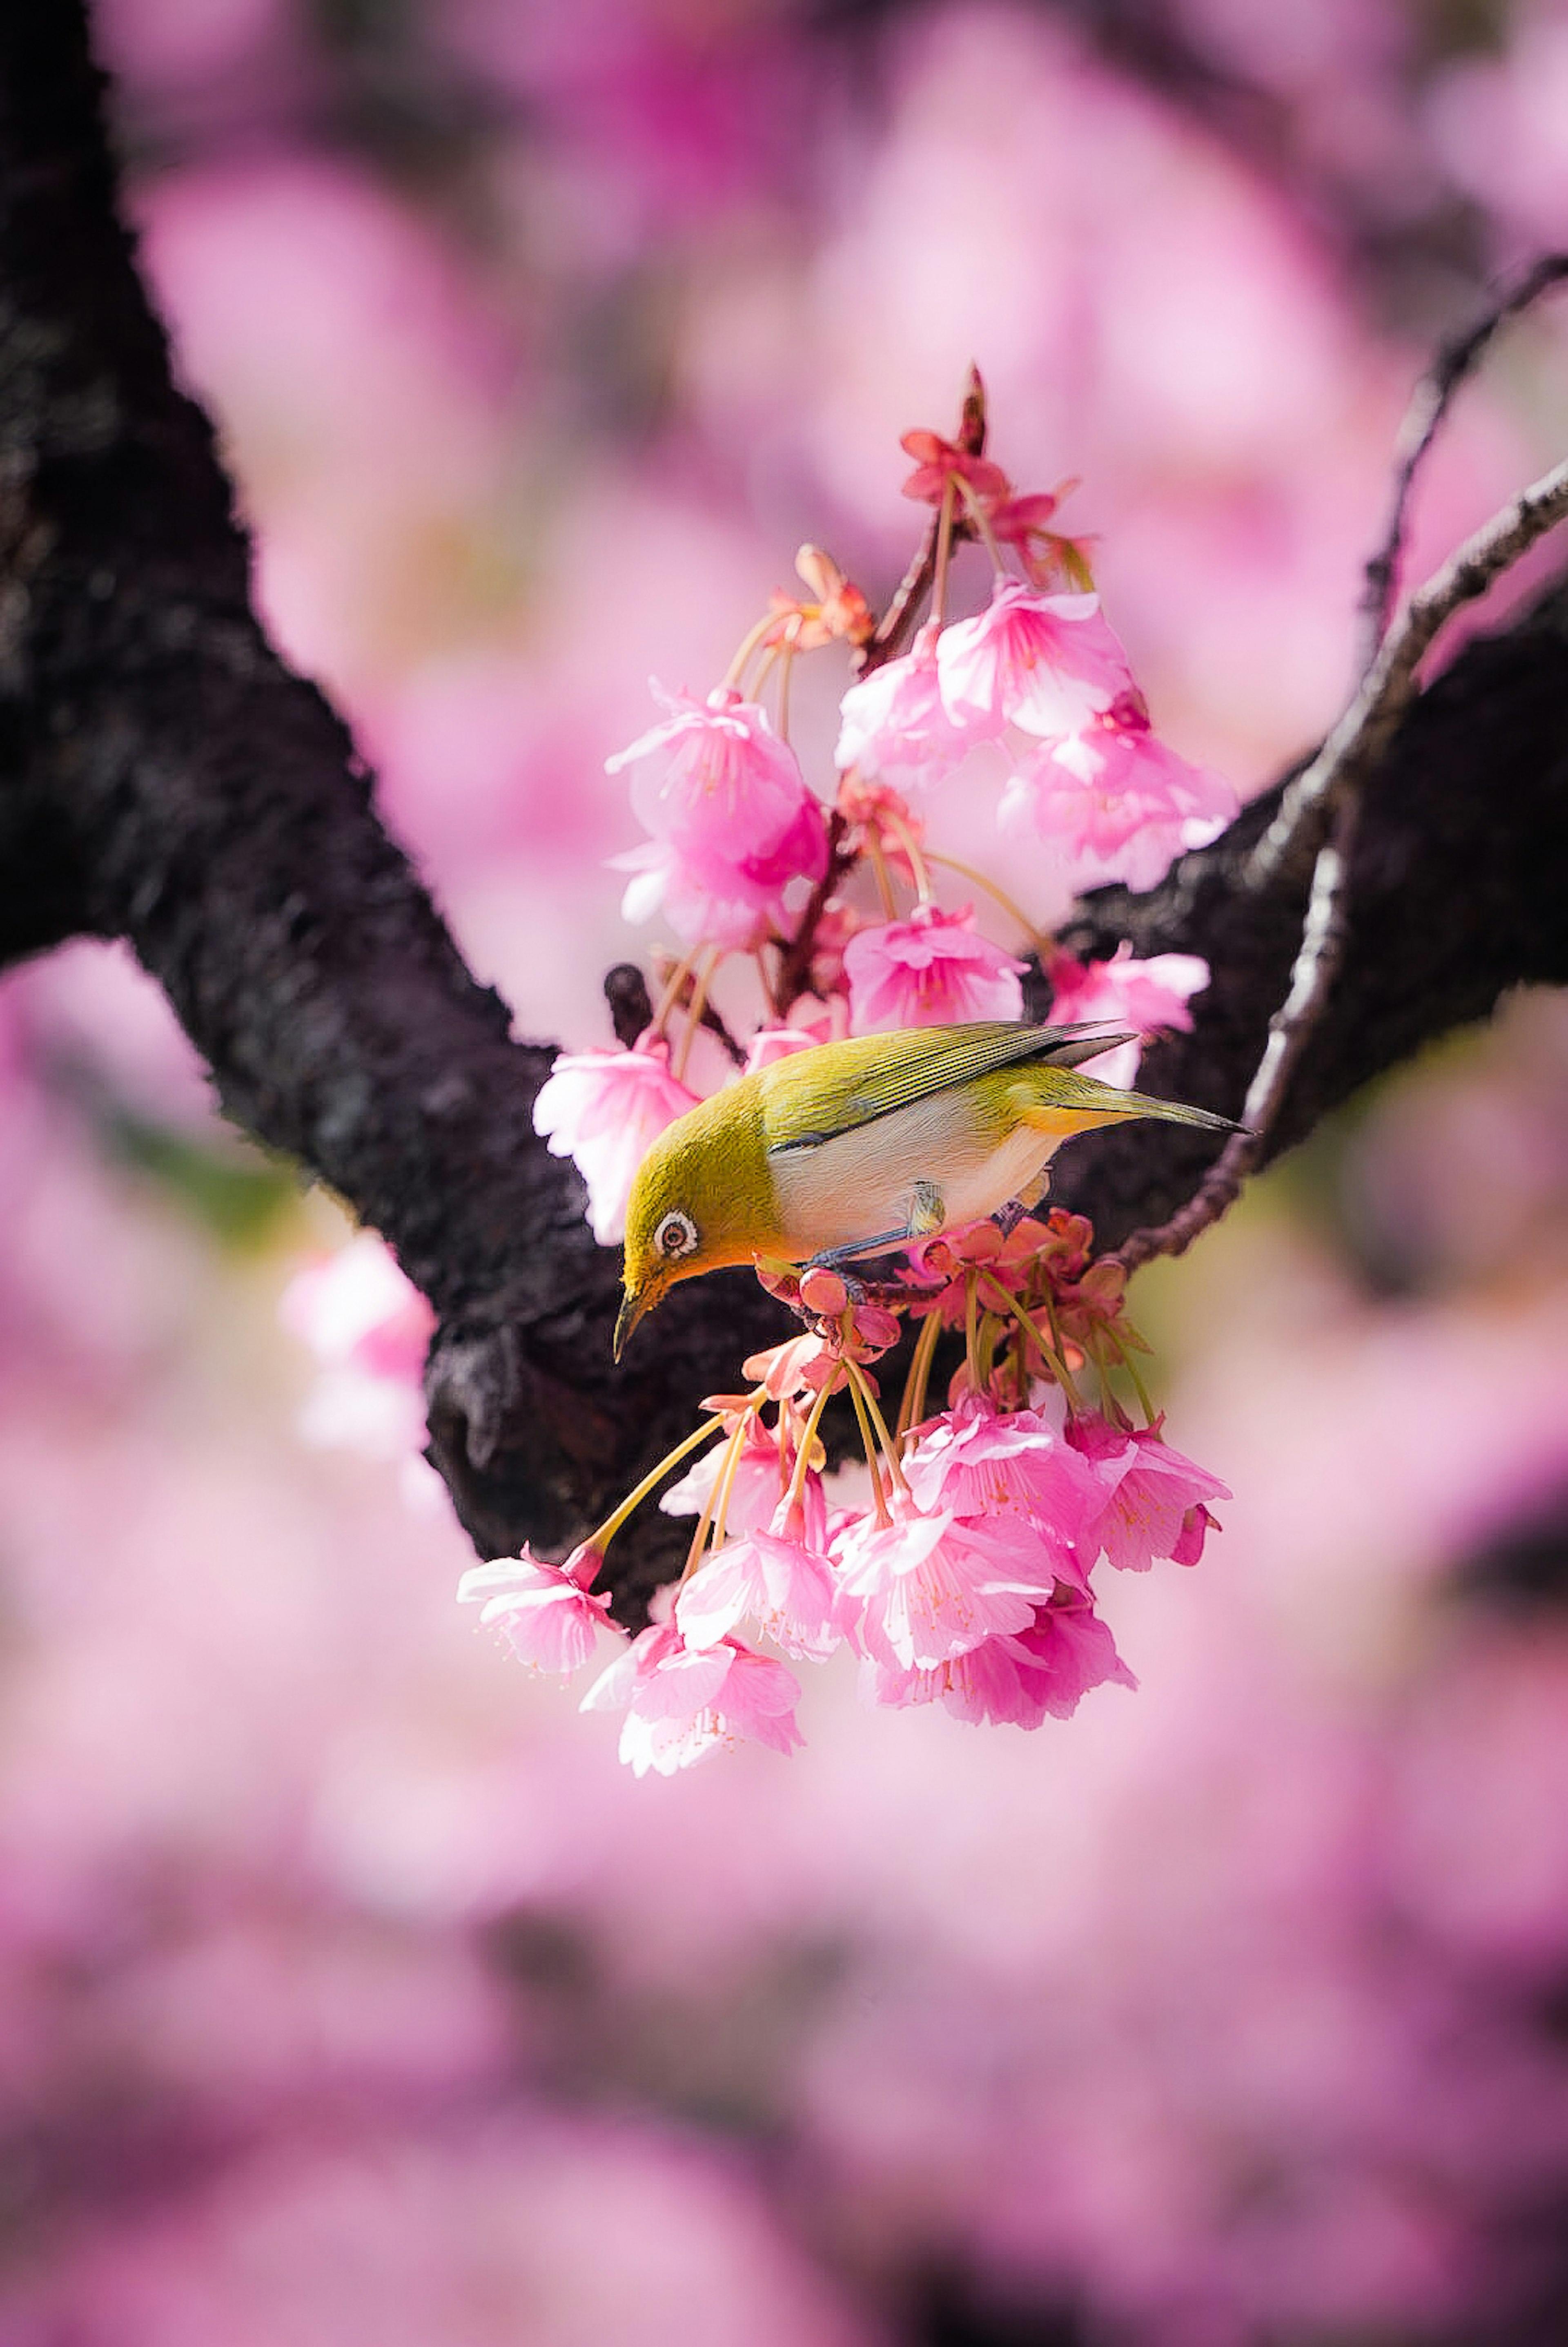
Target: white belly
[862, 1183]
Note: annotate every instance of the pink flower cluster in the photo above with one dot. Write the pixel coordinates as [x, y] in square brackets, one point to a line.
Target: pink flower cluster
[731, 820]
[1044, 676]
[738, 847]
[967, 1579]
[972, 1587]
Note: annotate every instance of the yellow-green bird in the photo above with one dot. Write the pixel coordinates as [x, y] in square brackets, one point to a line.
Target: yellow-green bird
[852, 1148]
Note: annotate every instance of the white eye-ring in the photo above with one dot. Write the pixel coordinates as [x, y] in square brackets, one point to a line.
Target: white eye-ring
[676, 1235]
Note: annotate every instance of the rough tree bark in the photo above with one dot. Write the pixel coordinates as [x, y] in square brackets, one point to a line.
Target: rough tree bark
[166, 778]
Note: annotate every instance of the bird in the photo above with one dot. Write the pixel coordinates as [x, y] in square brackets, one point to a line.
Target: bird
[850, 1149]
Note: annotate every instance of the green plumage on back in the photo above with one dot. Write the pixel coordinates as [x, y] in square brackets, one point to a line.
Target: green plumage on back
[818, 1094]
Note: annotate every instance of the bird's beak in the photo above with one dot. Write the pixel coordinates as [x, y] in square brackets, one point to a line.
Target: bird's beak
[634, 1304]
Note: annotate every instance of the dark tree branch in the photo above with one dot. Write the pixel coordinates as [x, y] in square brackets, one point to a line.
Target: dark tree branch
[163, 777]
[1329, 791]
[1454, 894]
[1454, 366]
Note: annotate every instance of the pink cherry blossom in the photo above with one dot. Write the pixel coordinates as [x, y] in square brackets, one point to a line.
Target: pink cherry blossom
[938, 460]
[781, 1583]
[683, 1703]
[1045, 663]
[894, 728]
[1155, 1499]
[922, 1589]
[712, 772]
[976, 1460]
[1041, 1672]
[358, 1306]
[929, 972]
[731, 820]
[707, 899]
[606, 1109]
[1116, 802]
[368, 1328]
[757, 1487]
[550, 1616]
[1147, 995]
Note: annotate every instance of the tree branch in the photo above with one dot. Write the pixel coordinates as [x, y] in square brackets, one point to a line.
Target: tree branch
[165, 777]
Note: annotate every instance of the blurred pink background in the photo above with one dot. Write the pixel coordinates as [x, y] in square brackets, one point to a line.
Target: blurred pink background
[351, 1990]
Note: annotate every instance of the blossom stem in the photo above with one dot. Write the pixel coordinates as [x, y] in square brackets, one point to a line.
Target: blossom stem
[786, 663]
[868, 1443]
[879, 866]
[725, 1487]
[748, 643]
[1043, 943]
[1049, 1351]
[912, 1408]
[655, 1477]
[991, 1326]
[971, 1327]
[1112, 1407]
[911, 849]
[1127, 1363]
[943, 553]
[769, 991]
[718, 1497]
[858, 1379]
[695, 1009]
[671, 993]
[808, 1437]
[978, 521]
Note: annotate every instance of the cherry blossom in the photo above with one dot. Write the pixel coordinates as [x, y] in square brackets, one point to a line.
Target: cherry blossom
[938, 461]
[710, 900]
[368, 1328]
[606, 1109]
[893, 727]
[756, 1487]
[731, 820]
[923, 1588]
[359, 1305]
[978, 1462]
[1116, 800]
[1019, 1679]
[967, 1581]
[927, 972]
[551, 1617]
[1045, 663]
[781, 1582]
[683, 1703]
[1125, 992]
[1155, 1499]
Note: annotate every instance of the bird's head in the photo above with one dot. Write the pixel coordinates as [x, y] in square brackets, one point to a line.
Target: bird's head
[700, 1200]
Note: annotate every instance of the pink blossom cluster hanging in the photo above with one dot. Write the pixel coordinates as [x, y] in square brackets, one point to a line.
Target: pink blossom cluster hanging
[967, 1576]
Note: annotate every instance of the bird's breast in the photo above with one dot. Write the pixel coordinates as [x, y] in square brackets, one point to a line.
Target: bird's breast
[840, 1193]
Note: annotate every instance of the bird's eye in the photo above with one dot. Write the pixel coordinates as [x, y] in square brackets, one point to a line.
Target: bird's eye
[676, 1235]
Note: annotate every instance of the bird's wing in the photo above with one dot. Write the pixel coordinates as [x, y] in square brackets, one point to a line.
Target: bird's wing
[816, 1095]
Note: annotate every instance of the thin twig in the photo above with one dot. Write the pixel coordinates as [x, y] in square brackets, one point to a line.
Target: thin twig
[1363, 734]
[1331, 790]
[1453, 367]
[684, 999]
[1290, 1031]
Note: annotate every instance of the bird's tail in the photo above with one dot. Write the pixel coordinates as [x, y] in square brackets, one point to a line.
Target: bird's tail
[1083, 1100]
